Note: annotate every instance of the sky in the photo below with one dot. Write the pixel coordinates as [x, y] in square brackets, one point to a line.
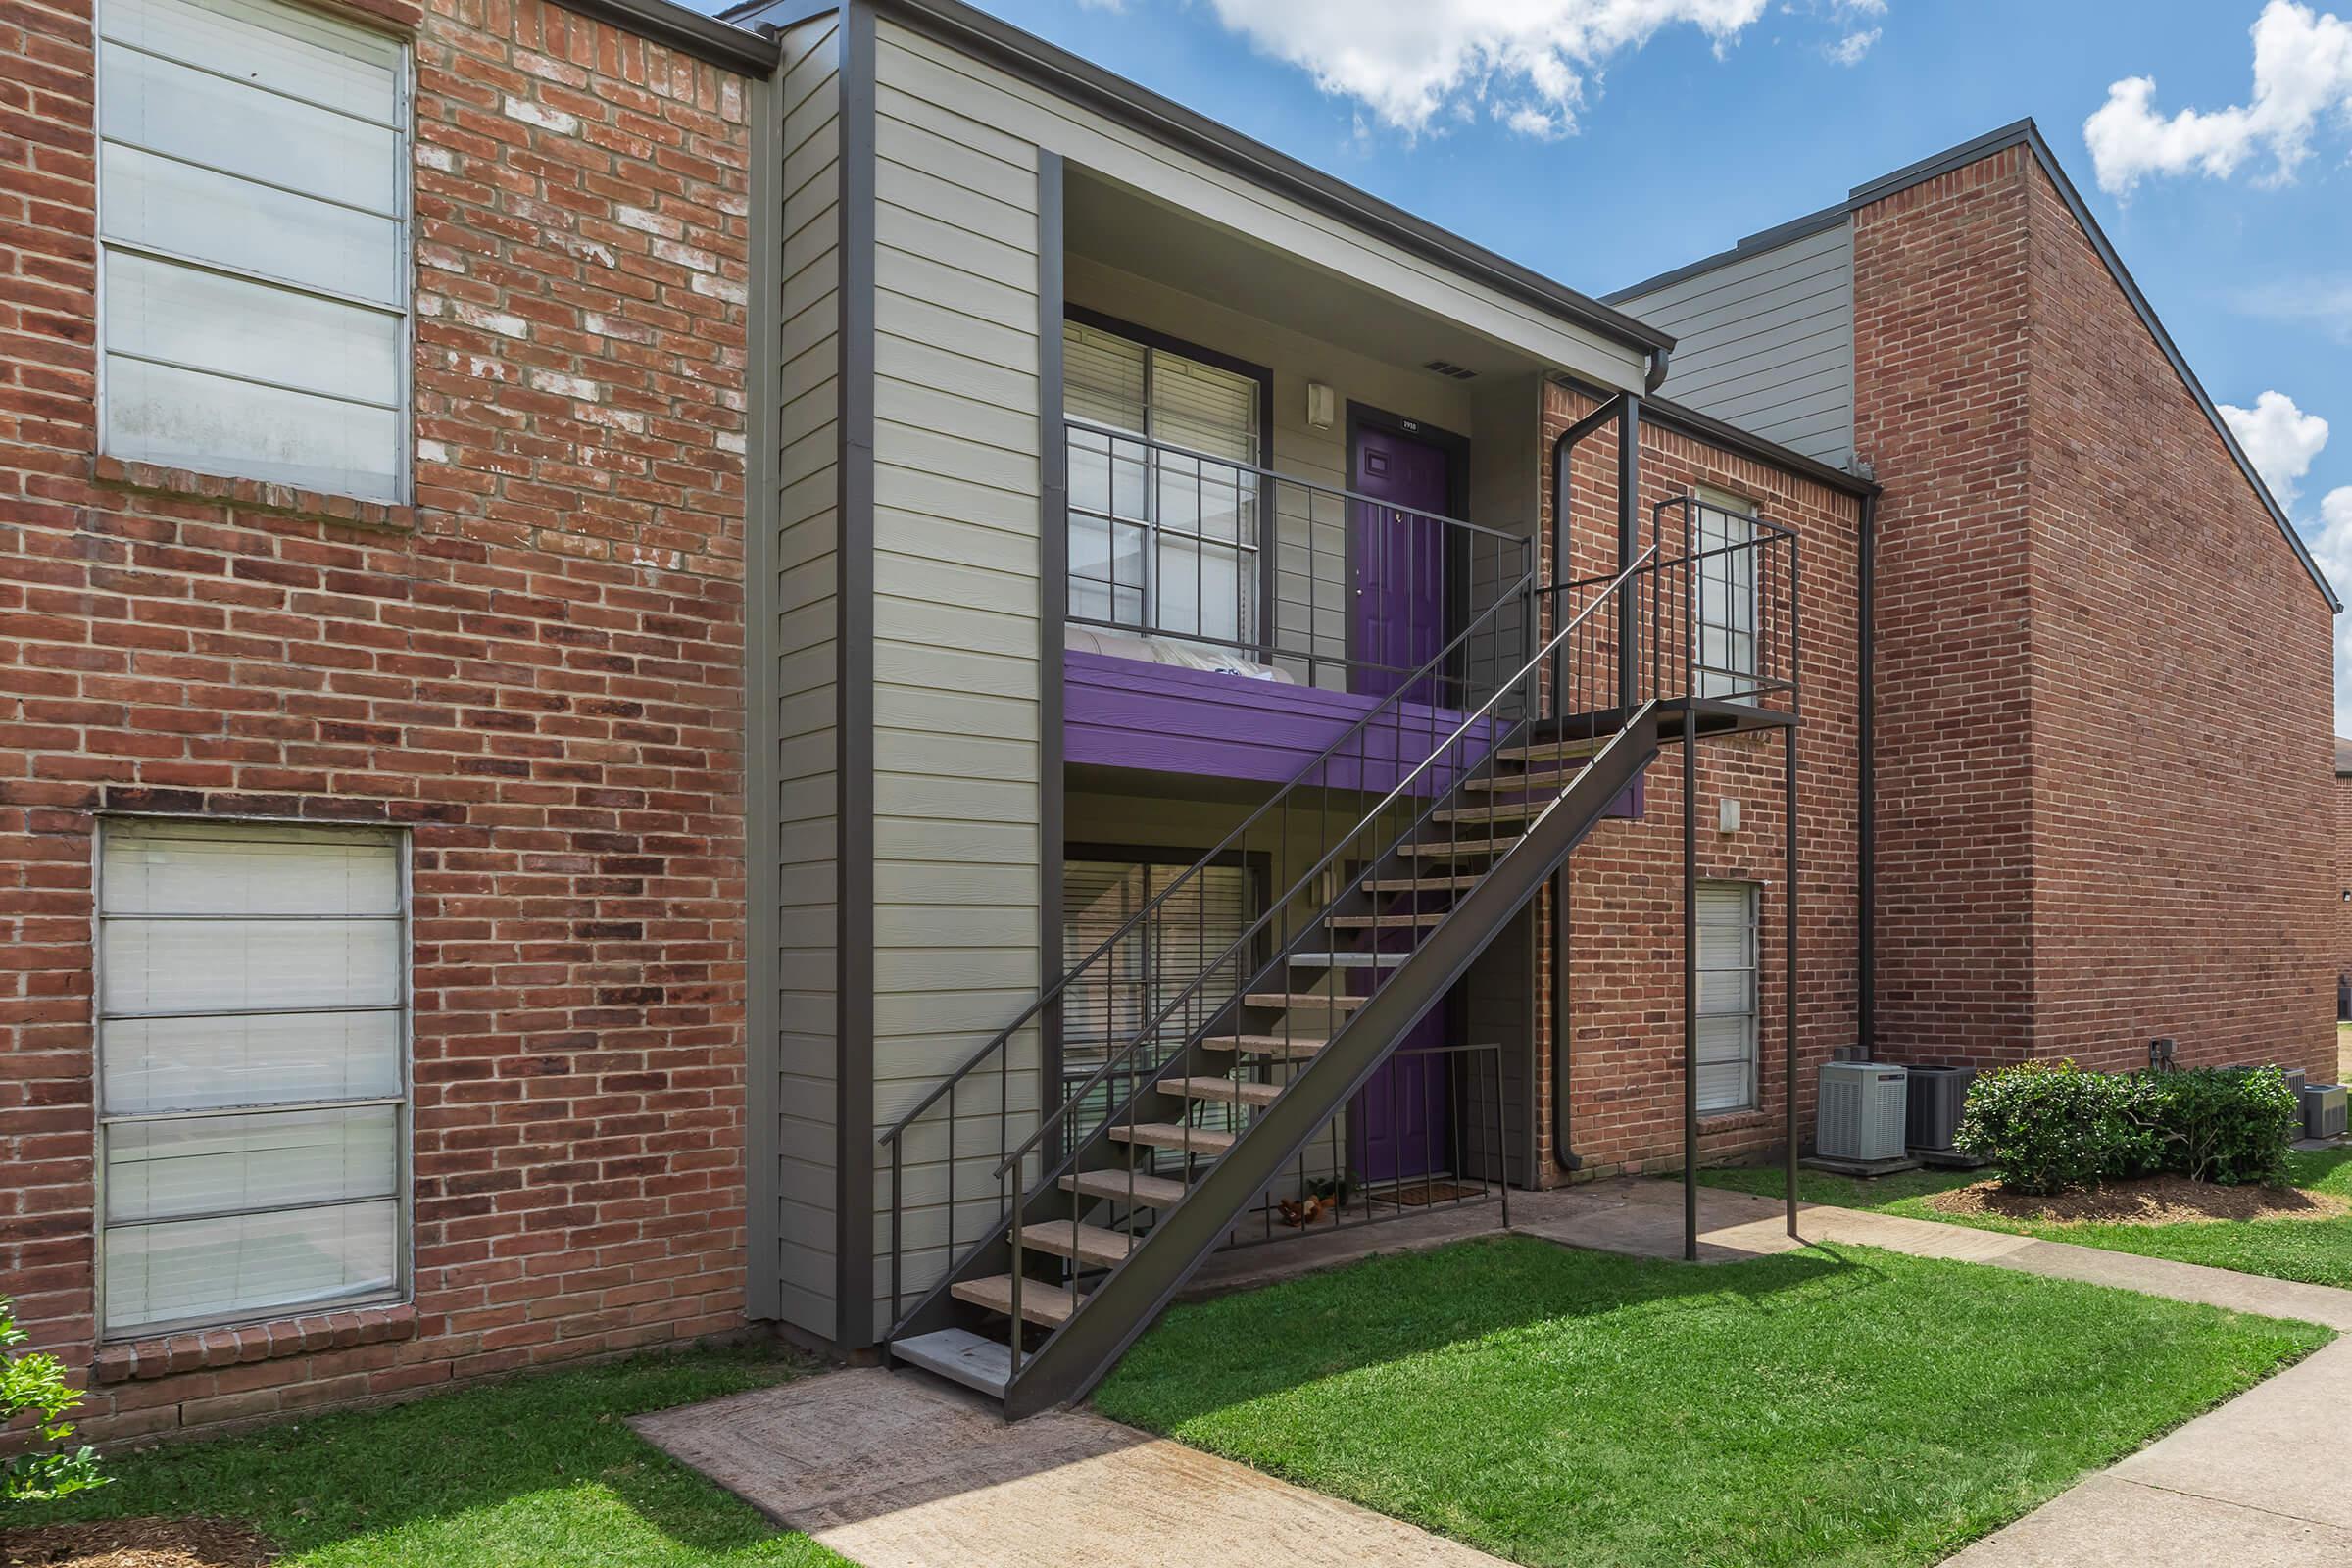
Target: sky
[1601, 142]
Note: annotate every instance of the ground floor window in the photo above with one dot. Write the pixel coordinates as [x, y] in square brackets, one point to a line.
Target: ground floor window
[1149, 966]
[252, 1057]
[1727, 996]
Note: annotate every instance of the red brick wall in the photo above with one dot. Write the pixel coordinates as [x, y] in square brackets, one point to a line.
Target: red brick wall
[1942, 342]
[2183, 705]
[1625, 898]
[2103, 677]
[537, 670]
[2343, 878]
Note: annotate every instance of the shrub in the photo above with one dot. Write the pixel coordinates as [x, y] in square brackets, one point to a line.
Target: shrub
[2228, 1125]
[2048, 1126]
[36, 1385]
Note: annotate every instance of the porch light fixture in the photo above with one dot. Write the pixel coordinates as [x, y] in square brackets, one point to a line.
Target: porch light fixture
[1726, 814]
[1321, 402]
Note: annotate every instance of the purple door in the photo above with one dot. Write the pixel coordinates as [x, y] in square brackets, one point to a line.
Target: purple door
[1397, 561]
[1401, 1123]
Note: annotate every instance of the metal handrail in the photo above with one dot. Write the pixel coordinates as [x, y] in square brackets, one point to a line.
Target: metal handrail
[1239, 835]
[1330, 856]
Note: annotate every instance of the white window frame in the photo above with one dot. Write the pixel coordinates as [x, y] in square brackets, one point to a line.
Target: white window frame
[404, 262]
[1750, 1014]
[1734, 576]
[402, 1102]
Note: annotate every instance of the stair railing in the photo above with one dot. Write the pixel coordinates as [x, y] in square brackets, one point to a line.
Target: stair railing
[1360, 760]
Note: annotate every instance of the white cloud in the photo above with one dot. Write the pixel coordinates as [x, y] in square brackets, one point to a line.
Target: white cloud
[1526, 62]
[2302, 70]
[1850, 50]
[2280, 440]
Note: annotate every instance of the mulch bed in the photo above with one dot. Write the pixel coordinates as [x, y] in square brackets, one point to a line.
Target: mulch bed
[136, 1543]
[2149, 1200]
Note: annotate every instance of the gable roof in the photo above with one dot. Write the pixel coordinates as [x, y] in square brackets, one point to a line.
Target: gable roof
[2021, 133]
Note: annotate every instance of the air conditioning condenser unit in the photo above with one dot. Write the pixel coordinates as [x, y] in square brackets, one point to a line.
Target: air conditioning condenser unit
[1863, 1104]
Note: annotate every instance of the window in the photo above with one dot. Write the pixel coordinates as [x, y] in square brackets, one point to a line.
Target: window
[253, 227]
[253, 1071]
[1161, 542]
[1727, 593]
[1150, 968]
[1727, 996]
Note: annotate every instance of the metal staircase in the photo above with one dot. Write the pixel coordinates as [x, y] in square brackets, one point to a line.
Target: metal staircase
[1433, 820]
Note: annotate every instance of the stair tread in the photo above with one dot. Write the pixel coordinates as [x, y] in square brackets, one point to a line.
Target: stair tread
[1499, 813]
[961, 1356]
[1330, 960]
[1454, 848]
[1556, 751]
[1547, 778]
[1423, 883]
[1170, 1135]
[1302, 1001]
[1398, 921]
[1049, 1305]
[1296, 1046]
[1227, 1091]
[1088, 1244]
[1149, 1192]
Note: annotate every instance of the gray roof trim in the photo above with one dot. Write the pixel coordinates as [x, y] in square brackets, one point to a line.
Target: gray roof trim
[1779, 234]
[2029, 134]
[1687, 420]
[710, 39]
[1068, 76]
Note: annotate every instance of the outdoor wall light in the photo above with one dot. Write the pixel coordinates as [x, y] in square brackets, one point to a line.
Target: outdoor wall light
[1321, 402]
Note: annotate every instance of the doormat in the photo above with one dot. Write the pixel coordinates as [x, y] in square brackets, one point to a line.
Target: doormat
[1421, 1195]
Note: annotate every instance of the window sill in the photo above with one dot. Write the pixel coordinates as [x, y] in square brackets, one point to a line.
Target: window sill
[252, 495]
[197, 1349]
[1731, 1122]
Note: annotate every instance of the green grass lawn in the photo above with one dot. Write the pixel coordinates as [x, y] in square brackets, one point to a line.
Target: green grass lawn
[2318, 1252]
[537, 1472]
[1845, 1406]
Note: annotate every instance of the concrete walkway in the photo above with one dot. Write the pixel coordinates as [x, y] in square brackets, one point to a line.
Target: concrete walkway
[899, 1470]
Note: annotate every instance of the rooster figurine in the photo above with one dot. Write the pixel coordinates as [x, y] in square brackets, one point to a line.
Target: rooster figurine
[1297, 1216]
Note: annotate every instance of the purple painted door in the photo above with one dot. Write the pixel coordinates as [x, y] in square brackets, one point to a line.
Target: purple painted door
[1397, 560]
[1401, 1123]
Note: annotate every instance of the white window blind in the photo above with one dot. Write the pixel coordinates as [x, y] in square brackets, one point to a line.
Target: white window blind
[252, 1063]
[1161, 542]
[1150, 967]
[253, 219]
[1727, 996]
[1726, 592]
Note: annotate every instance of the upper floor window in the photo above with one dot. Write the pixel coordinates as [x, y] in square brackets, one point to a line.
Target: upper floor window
[252, 996]
[1163, 542]
[1724, 529]
[253, 234]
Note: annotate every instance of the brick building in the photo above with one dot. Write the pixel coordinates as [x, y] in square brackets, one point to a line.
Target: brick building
[450, 723]
[640, 655]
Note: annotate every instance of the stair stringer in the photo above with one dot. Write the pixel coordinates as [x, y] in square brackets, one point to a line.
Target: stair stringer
[1135, 1293]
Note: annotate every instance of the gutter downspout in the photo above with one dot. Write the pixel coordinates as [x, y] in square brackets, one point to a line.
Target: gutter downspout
[1562, 445]
[1866, 773]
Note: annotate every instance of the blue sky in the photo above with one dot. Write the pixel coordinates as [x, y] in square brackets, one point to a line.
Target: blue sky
[1602, 140]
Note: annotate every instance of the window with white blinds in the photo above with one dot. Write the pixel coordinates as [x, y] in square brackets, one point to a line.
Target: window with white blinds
[1161, 542]
[252, 228]
[1726, 592]
[1727, 996]
[1147, 970]
[253, 1071]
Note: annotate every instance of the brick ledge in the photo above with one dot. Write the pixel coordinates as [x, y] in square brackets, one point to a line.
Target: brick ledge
[252, 495]
[197, 1349]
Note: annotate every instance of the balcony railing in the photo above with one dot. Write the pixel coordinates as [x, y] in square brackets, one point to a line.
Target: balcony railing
[1327, 585]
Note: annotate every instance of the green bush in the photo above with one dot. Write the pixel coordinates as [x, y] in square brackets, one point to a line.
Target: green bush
[2228, 1125]
[2048, 1126]
[36, 1385]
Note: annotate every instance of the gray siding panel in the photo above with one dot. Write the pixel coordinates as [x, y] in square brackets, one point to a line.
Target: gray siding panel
[1766, 342]
[802, 628]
